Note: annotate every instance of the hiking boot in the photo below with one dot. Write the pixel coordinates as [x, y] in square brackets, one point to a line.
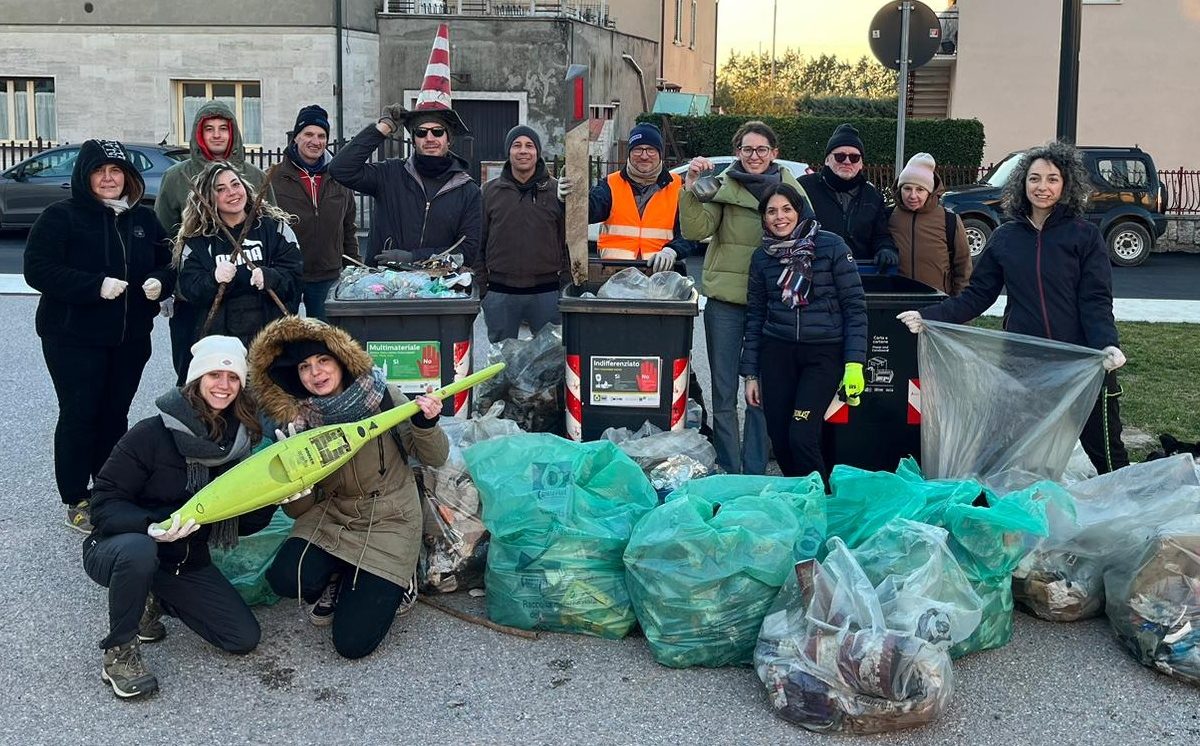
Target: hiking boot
[150, 627]
[408, 597]
[321, 614]
[125, 672]
[79, 517]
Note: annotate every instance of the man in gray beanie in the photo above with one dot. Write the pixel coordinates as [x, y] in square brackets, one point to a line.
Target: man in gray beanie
[523, 259]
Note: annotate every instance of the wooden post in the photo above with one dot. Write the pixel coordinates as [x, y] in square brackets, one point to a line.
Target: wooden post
[576, 169]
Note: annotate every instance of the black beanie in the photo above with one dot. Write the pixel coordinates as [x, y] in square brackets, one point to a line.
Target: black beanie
[845, 134]
[518, 131]
[311, 114]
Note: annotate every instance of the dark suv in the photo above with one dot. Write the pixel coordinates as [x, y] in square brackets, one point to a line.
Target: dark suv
[1127, 202]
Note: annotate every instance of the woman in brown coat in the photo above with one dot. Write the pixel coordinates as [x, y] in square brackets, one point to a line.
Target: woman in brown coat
[355, 543]
[919, 227]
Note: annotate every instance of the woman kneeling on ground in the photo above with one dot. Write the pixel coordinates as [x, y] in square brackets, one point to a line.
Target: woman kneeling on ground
[354, 547]
[806, 329]
[201, 431]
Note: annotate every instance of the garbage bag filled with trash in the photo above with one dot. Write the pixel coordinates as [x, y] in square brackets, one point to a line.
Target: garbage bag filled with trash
[831, 661]
[633, 284]
[704, 567]
[669, 457]
[360, 283]
[531, 383]
[560, 514]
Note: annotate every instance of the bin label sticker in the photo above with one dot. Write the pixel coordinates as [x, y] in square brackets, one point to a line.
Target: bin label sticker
[626, 382]
[880, 376]
[416, 367]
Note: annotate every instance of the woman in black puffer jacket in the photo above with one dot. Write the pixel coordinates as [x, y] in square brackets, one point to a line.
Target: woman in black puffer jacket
[101, 262]
[806, 329]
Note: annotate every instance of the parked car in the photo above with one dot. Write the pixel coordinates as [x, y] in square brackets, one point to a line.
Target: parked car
[1126, 203]
[43, 179]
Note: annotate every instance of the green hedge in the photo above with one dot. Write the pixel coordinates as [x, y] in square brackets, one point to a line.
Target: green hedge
[957, 142]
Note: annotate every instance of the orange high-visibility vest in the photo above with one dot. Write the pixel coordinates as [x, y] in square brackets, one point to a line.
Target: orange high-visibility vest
[630, 235]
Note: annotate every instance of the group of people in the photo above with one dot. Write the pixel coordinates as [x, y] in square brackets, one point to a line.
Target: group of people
[239, 249]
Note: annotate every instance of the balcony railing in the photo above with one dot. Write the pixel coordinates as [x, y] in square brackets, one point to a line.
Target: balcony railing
[949, 22]
[589, 12]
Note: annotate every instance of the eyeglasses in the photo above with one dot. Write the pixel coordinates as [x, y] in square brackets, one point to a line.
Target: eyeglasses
[644, 151]
[427, 131]
[843, 157]
[761, 151]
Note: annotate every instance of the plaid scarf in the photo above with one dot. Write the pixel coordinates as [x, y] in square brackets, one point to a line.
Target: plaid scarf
[795, 253]
[360, 399]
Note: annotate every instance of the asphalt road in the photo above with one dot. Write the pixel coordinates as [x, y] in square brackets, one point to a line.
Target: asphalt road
[438, 680]
[1166, 276]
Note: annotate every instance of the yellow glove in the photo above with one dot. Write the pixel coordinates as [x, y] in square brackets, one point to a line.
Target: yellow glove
[852, 383]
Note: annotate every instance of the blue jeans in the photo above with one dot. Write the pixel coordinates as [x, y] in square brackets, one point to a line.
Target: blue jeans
[724, 326]
[314, 298]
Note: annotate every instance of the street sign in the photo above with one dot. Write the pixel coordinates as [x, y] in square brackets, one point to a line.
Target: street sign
[924, 34]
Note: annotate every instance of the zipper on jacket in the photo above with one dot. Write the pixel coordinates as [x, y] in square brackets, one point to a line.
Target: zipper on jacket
[797, 323]
[1041, 287]
[125, 259]
[912, 246]
[424, 220]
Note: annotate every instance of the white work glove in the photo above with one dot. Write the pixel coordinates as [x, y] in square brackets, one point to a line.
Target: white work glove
[112, 287]
[256, 278]
[293, 498]
[166, 308]
[565, 186]
[1113, 358]
[224, 271]
[663, 260]
[291, 432]
[152, 288]
[175, 532]
[913, 320]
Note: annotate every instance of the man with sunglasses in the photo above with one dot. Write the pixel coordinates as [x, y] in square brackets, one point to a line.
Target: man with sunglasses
[849, 205]
[423, 204]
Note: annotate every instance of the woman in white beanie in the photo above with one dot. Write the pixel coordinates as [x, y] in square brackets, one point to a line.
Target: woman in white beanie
[201, 430]
[931, 240]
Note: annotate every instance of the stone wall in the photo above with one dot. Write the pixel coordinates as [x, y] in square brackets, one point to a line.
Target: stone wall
[1183, 234]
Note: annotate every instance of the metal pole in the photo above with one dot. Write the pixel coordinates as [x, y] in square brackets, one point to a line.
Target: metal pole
[902, 108]
[341, 101]
[1068, 70]
[774, 23]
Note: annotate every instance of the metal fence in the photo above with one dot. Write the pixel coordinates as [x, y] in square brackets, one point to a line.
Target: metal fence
[13, 153]
[1183, 191]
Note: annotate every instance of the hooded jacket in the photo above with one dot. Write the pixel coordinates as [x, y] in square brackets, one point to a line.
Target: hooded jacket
[862, 224]
[920, 237]
[1058, 281]
[79, 241]
[244, 309]
[405, 217]
[524, 232]
[836, 310]
[176, 182]
[325, 226]
[367, 513]
[732, 219]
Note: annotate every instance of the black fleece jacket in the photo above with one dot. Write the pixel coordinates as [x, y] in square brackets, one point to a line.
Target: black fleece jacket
[76, 243]
[863, 223]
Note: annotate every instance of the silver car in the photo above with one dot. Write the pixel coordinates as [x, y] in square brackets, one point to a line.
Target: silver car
[43, 179]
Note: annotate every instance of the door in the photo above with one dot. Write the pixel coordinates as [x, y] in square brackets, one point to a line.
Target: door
[40, 182]
[489, 121]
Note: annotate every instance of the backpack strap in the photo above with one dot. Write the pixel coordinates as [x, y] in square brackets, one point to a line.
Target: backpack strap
[389, 403]
[951, 234]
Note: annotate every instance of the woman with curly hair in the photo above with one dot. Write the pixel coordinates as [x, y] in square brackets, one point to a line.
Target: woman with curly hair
[217, 212]
[1055, 267]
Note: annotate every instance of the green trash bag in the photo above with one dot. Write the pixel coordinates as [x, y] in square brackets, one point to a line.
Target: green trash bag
[704, 567]
[560, 514]
[246, 564]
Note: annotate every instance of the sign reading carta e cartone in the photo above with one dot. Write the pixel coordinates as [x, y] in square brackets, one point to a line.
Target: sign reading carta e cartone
[626, 381]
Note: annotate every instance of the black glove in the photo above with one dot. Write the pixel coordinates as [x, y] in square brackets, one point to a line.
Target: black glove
[886, 258]
[393, 116]
[420, 420]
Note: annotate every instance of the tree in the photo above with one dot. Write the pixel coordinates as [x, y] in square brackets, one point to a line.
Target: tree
[745, 84]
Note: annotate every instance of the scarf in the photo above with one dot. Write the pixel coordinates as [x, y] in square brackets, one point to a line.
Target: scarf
[756, 184]
[360, 399]
[117, 205]
[293, 152]
[640, 180]
[838, 184]
[201, 454]
[432, 166]
[524, 188]
[795, 253]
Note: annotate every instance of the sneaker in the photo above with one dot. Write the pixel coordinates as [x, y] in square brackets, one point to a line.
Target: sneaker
[321, 614]
[79, 517]
[151, 628]
[408, 598]
[125, 672]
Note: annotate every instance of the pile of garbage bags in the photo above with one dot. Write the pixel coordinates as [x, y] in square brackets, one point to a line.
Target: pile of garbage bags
[560, 515]
[361, 283]
[531, 383]
[704, 567]
[632, 283]
[670, 458]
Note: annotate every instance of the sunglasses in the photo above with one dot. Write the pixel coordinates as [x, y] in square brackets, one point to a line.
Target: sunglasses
[427, 131]
[843, 157]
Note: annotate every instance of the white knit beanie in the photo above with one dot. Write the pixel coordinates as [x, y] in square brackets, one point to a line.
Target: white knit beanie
[919, 171]
[216, 352]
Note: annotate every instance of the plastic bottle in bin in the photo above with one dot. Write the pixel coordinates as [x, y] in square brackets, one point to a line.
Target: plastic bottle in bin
[431, 362]
[647, 378]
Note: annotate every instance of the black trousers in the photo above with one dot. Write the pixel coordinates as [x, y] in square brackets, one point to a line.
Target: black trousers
[183, 336]
[797, 381]
[365, 608]
[127, 564]
[1101, 437]
[94, 386]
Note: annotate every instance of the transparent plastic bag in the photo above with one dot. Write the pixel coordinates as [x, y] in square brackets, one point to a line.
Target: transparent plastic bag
[455, 543]
[245, 566]
[632, 283]
[1153, 600]
[704, 567]
[650, 445]
[993, 401]
[531, 383]
[831, 663]
[358, 283]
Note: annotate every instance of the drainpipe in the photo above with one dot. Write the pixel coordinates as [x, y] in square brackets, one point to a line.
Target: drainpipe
[716, 53]
[341, 109]
[641, 80]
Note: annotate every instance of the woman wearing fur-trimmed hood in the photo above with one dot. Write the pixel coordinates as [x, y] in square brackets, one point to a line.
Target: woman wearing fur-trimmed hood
[354, 547]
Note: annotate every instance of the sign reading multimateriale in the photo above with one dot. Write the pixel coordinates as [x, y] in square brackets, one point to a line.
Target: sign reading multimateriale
[626, 381]
[416, 367]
